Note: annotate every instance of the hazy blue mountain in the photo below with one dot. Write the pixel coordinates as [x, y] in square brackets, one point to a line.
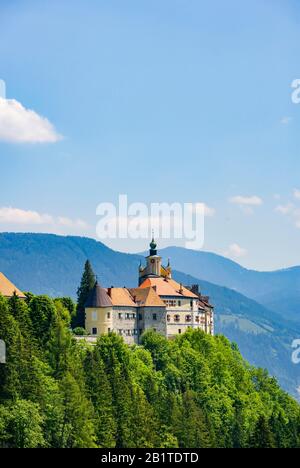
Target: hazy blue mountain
[278, 290]
[264, 338]
[49, 264]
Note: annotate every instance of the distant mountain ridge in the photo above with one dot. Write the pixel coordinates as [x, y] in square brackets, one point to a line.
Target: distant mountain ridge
[50, 264]
[278, 290]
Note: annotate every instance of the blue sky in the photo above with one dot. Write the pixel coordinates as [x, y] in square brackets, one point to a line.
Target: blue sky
[166, 101]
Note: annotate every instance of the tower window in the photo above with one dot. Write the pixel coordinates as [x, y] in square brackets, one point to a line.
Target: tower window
[94, 331]
[179, 331]
[108, 315]
[94, 316]
[154, 316]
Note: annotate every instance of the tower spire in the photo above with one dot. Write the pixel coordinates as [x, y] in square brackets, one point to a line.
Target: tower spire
[153, 248]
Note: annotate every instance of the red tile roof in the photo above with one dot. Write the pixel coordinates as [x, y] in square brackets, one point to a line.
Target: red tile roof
[167, 287]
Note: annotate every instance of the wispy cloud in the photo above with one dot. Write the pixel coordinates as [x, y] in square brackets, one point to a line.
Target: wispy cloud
[297, 194]
[285, 209]
[286, 120]
[246, 203]
[18, 217]
[235, 251]
[21, 125]
[291, 209]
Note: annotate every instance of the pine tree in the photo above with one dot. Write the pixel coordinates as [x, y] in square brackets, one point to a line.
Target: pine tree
[86, 285]
[43, 315]
[78, 424]
[262, 436]
[190, 424]
[100, 393]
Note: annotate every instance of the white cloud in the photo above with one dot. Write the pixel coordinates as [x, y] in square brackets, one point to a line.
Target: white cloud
[246, 204]
[247, 201]
[297, 194]
[290, 210]
[285, 209]
[21, 125]
[235, 251]
[18, 217]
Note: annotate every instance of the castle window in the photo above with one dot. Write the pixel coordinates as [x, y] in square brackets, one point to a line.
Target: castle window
[108, 330]
[140, 317]
[108, 315]
[168, 318]
[133, 316]
[120, 316]
[177, 318]
[188, 318]
[94, 331]
[154, 316]
[179, 331]
[191, 303]
[128, 316]
[179, 303]
[94, 316]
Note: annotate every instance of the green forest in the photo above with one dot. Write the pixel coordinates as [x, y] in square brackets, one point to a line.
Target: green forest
[193, 392]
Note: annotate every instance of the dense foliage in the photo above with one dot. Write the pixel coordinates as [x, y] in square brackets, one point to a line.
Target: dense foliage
[195, 391]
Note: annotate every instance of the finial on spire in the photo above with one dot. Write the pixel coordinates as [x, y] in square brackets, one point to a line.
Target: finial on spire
[153, 247]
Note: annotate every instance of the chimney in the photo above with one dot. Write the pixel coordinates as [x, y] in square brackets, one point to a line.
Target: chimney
[205, 299]
[195, 289]
[109, 291]
[181, 288]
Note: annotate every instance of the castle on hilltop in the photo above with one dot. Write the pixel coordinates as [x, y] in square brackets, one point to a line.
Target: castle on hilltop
[158, 303]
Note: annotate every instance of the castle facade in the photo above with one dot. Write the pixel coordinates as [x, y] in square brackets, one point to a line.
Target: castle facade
[158, 303]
